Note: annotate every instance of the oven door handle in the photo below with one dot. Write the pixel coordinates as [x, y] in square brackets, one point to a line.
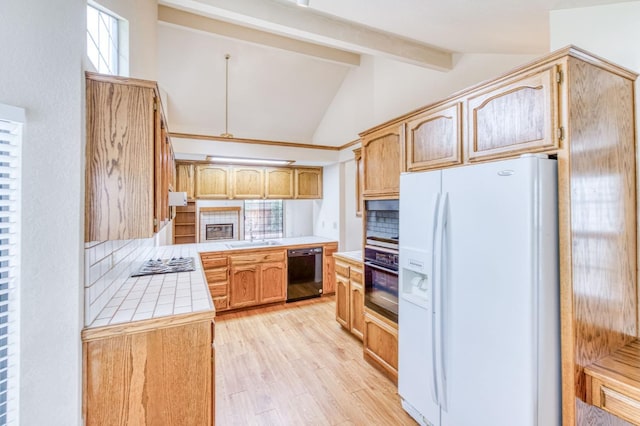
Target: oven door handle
[380, 268]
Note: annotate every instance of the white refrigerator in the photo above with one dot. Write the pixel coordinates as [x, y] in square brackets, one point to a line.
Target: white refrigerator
[479, 327]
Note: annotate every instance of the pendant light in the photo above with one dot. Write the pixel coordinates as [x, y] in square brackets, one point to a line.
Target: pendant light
[226, 133]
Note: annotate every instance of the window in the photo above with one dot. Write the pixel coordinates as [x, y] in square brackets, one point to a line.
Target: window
[103, 47]
[263, 219]
[11, 120]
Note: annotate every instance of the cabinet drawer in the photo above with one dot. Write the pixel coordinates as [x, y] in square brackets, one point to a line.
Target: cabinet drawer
[249, 259]
[356, 275]
[218, 290]
[619, 404]
[342, 269]
[210, 261]
[216, 275]
[221, 303]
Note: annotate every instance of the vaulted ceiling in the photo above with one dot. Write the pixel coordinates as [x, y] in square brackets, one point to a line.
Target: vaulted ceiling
[288, 62]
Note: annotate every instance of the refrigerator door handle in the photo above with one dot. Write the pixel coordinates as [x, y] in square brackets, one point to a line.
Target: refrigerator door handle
[431, 321]
[439, 302]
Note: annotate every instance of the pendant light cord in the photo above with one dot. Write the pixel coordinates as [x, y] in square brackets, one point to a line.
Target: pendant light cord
[226, 133]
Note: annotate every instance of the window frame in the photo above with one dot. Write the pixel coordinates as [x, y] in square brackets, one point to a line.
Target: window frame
[116, 36]
[262, 234]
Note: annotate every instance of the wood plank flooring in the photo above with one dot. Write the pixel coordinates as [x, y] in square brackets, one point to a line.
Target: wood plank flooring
[295, 365]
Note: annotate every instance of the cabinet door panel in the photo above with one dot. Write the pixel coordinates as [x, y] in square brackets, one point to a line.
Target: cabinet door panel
[328, 269]
[308, 183]
[279, 183]
[356, 309]
[273, 282]
[185, 179]
[120, 162]
[247, 183]
[244, 286]
[434, 139]
[342, 301]
[381, 159]
[212, 182]
[520, 115]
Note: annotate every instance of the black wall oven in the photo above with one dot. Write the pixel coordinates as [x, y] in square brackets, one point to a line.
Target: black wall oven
[381, 281]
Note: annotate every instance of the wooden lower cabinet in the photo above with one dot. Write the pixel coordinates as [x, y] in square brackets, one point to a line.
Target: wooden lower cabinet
[216, 271]
[273, 282]
[328, 272]
[160, 376]
[349, 295]
[257, 278]
[243, 289]
[381, 343]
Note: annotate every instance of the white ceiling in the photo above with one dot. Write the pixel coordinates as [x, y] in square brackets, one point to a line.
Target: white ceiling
[278, 94]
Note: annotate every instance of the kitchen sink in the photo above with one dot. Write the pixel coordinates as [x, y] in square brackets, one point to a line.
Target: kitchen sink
[255, 243]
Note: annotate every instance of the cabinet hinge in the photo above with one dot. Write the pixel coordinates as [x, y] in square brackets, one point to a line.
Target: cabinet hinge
[155, 105]
[559, 76]
[560, 133]
[155, 221]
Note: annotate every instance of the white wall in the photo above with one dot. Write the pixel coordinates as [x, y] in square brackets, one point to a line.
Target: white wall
[382, 89]
[326, 212]
[42, 52]
[351, 237]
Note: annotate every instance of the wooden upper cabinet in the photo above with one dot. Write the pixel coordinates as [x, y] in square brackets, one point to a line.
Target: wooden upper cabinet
[278, 183]
[122, 125]
[434, 138]
[212, 181]
[185, 179]
[308, 183]
[519, 115]
[247, 183]
[357, 153]
[381, 153]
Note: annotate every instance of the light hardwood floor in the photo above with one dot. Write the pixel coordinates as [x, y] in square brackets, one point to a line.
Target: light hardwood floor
[294, 365]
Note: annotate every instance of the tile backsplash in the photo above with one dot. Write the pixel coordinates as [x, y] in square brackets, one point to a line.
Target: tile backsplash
[216, 218]
[107, 263]
[383, 223]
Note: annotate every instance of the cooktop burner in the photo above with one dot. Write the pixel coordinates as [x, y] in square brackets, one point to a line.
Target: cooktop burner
[165, 266]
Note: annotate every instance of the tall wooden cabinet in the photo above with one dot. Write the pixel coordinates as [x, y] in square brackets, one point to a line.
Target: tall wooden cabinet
[129, 159]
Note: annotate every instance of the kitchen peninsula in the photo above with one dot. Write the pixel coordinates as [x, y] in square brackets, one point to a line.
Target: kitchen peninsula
[149, 354]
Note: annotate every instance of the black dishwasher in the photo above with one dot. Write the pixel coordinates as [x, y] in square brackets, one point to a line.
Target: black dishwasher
[304, 273]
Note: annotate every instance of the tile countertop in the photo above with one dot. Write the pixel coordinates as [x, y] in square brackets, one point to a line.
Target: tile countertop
[355, 255]
[163, 295]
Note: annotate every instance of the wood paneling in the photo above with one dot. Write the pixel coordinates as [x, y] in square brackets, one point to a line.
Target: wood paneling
[381, 156]
[600, 303]
[278, 183]
[434, 138]
[328, 273]
[520, 115]
[185, 179]
[381, 343]
[163, 376]
[247, 183]
[120, 162]
[308, 183]
[212, 182]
